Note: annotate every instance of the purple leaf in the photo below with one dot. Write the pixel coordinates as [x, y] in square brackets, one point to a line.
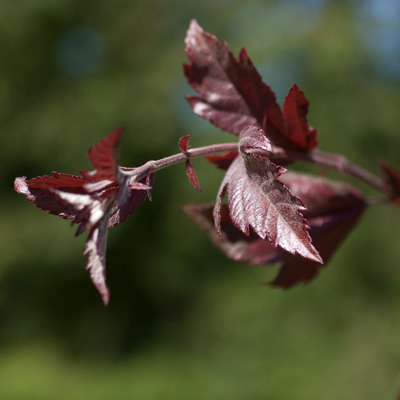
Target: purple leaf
[253, 138]
[327, 233]
[231, 92]
[334, 208]
[234, 243]
[101, 199]
[190, 172]
[295, 110]
[258, 200]
[137, 197]
[232, 95]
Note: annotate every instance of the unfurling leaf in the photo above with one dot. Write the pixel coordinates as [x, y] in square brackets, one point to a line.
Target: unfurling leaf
[334, 208]
[190, 172]
[253, 139]
[257, 199]
[391, 177]
[233, 96]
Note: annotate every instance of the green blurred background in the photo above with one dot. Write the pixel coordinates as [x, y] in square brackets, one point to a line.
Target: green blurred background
[184, 322]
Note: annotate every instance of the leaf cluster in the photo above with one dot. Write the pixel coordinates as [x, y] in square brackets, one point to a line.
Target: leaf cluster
[269, 215]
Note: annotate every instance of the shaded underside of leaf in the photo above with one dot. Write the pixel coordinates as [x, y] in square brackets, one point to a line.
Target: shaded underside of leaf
[120, 213]
[222, 161]
[41, 191]
[257, 199]
[329, 226]
[327, 234]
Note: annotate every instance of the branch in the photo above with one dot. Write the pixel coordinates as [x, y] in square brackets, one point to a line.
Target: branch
[330, 160]
[156, 165]
[316, 157]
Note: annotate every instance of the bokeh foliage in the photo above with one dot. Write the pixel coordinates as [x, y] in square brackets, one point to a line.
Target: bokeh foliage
[184, 322]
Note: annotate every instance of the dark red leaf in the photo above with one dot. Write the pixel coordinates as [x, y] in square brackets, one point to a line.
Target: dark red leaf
[232, 94]
[321, 195]
[391, 177]
[104, 157]
[183, 143]
[99, 200]
[295, 110]
[234, 243]
[41, 191]
[137, 197]
[222, 161]
[191, 174]
[327, 233]
[258, 200]
[334, 209]
[253, 138]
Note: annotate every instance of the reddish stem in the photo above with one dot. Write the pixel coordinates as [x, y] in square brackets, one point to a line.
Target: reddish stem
[316, 157]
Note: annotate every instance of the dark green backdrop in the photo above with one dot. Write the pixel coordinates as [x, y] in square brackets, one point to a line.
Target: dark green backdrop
[184, 322]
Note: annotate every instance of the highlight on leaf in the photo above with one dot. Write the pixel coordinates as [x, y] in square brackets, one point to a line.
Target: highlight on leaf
[98, 200]
[257, 199]
[270, 215]
[334, 208]
[233, 96]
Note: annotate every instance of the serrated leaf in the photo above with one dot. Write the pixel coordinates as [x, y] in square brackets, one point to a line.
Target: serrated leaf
[231, 92]
[101, 199]
[295, 110]
[41, 192]
[327, 233]
[104, 157]
[95, 249]
[233, 96]
[258, 200]
[391, 177]
[334, 208]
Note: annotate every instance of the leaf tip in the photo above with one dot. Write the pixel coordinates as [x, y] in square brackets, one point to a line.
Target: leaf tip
[20, 185]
